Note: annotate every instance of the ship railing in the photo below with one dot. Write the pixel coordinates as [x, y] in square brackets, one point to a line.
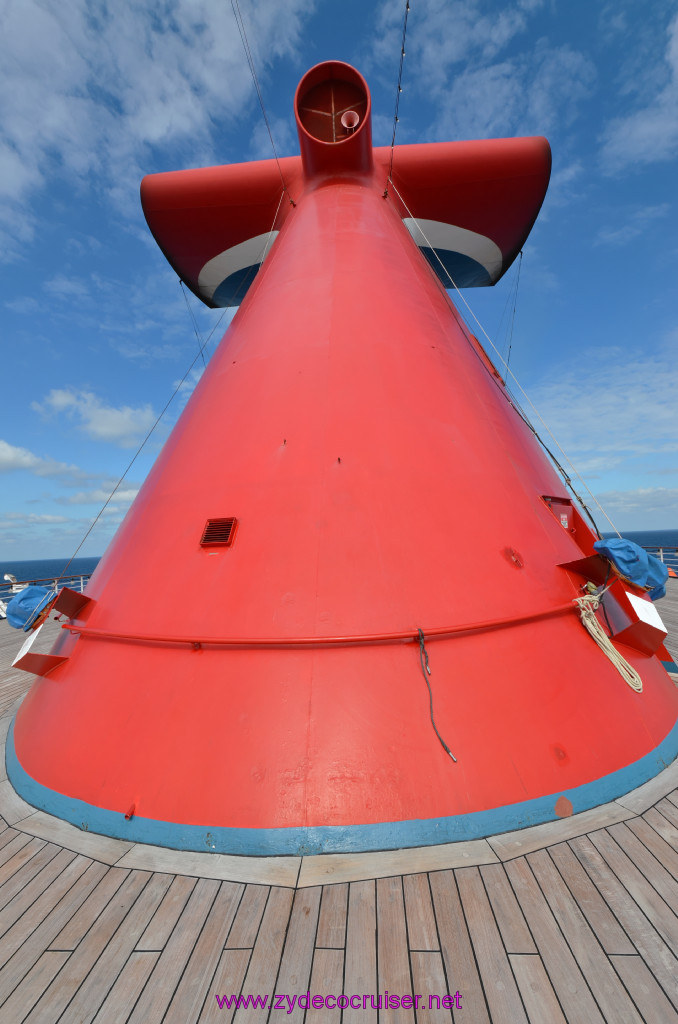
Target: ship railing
[76, 581]
[669, 556]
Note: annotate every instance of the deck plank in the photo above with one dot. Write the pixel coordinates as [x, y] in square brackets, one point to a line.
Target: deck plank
[91, 910]
[24, 943]
[643, 892]
[428, 975]
[663, 827]
[127, 987]
[81, 987]
[263, 966]
[14, 843]
[297, 958]
[601, 920]
[103, 848]
[161, 925]
[331, 868]
[509, 916]
[539, 997]
[21, 857]
[29, 991]
[421, 921]
[609, 993]
[227, 982]
[651, 947]
[327, 977]
[12, 807]
[393, 961]
[455, 945]
[566, 976]
[501, 991]
[332, 919]
[669, 809]
[7, 834]
[194, 989]
[644, 990]
[159, 990]
[244, 929]
[360, 970]
[651, 855]
[37, 868]
[537, 837]
[33, 900]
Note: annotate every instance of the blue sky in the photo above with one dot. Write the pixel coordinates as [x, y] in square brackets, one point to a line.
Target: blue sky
[96, 335]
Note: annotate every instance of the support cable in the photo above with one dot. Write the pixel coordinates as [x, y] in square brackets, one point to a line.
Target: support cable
[398, 92]
[517, 383]
[248, 53]
[513, 315]
[202, 346]
[194, 322]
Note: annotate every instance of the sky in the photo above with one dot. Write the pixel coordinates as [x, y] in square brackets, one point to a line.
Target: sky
[95, 331]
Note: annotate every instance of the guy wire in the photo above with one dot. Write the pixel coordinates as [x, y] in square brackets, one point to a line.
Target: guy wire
[398, 92]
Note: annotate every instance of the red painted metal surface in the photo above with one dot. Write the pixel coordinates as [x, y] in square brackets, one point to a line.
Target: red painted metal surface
[382, 483]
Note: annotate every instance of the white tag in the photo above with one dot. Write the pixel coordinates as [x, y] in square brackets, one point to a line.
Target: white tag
[27, 644]
[646, 612]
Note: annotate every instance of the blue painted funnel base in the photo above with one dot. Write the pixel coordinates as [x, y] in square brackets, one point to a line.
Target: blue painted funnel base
[303, 841]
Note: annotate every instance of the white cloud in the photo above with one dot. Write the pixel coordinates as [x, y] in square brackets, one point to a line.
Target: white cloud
[13, 519]
[485, 81]
[633, 224]
[100, 90]
[66, 287]
[530, 94]
[284, 137]
[125, 426]
[644, 508]
[564, 185]
[449, 34]
[15, 458]
[650, 133]
[98, 496]
[614, 413]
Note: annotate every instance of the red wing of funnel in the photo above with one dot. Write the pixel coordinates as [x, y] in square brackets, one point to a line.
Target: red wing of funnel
[215, 225]
[349, 497]
[470, 205]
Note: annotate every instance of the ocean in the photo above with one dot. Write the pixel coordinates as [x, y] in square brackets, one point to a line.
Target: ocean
[651, 538]
[47, 568]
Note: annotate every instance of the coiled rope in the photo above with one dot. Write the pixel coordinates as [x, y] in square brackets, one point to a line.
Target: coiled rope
[587, 608]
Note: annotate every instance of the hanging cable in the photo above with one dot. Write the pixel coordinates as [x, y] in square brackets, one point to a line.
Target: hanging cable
[510, 373]
[398, 92]
[248, 53]
[195, 325]
[513, 316]
[426, 672]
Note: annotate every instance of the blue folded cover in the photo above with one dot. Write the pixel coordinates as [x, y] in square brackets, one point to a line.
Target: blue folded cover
[24, 608]
[635, 564]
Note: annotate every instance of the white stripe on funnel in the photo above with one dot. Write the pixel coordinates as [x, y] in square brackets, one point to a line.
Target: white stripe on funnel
[238, 257]
[436, 234]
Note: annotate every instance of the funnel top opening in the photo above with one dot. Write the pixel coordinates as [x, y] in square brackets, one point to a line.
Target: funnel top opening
[332, 102]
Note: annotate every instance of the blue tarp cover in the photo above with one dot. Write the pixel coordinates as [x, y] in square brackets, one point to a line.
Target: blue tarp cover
[635, 564]
[23, 609]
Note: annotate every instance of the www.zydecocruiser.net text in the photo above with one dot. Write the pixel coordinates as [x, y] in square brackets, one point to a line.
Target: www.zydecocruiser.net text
[381, 1001]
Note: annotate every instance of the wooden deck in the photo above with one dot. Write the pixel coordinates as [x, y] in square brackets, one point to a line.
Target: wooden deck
[574, 921]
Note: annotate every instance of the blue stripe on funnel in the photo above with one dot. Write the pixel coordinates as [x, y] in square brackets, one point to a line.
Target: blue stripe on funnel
[389, 835]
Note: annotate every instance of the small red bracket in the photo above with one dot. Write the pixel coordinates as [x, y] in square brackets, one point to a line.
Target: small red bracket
[71, 603]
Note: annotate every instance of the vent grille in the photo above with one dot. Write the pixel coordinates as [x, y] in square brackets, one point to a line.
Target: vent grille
[219, 532]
